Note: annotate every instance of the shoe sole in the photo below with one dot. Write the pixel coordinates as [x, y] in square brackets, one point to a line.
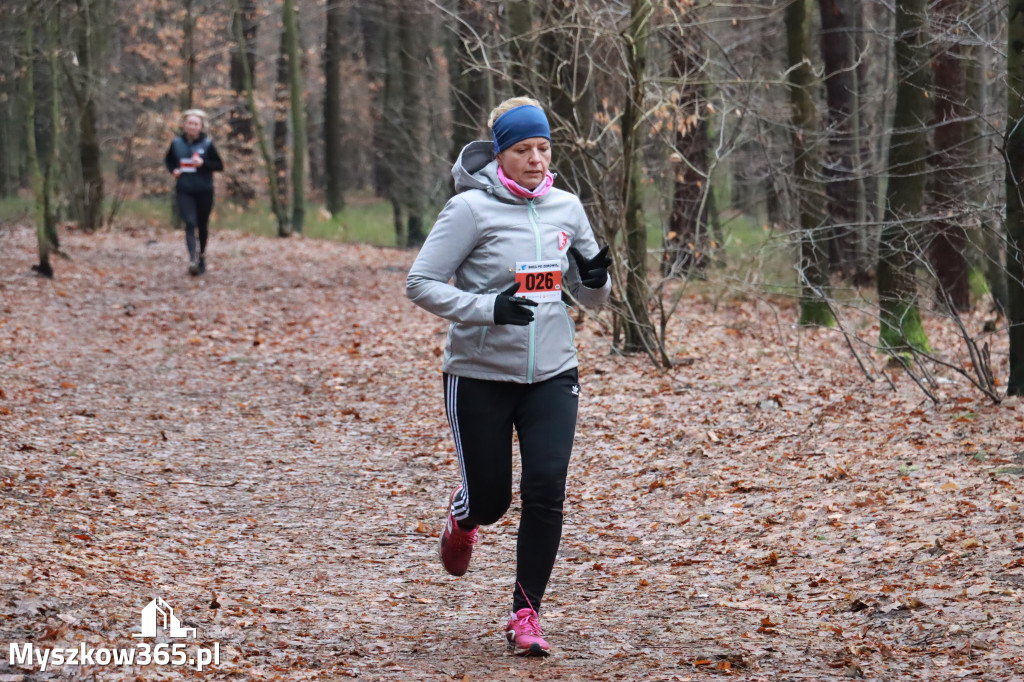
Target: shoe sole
[534, 650]
[440, 540]
[440, 556]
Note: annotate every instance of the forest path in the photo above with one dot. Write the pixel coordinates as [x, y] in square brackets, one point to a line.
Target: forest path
[270, 439]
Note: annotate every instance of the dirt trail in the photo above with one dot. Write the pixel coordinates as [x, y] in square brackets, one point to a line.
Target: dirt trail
[270, 439]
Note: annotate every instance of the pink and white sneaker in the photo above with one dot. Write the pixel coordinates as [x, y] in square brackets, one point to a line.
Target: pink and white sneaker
[456, 545]
[524, 634]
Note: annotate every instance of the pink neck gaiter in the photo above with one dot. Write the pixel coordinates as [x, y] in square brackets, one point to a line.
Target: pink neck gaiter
[520, 191]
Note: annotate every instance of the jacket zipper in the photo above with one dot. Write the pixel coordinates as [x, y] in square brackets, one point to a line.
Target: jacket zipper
[531, 211]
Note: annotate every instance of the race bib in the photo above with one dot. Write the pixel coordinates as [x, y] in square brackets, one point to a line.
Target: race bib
[540, 280]
[187, 165]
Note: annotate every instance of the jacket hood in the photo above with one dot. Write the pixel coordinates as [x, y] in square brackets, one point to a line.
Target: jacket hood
[476, 168]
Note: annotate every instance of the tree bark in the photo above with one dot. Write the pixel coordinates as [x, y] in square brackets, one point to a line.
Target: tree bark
[899, 248]
[188, 57]
[378, 37]
[639, 334]
[244, 24]
[986, 228]
[522, 70]
[284, 227]
[279, 211]
[687, 242]
[813, 271]
[91, 193]
[298, 116]
[948, 247]
[46, 232]
[568, 73]
[842, 52]
[334, 125]
[471, 83]
[1014, 197]
[413, 60]
[12, 124]
[240, 119]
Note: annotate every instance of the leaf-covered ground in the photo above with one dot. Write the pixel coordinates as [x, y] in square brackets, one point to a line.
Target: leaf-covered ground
[265, 448]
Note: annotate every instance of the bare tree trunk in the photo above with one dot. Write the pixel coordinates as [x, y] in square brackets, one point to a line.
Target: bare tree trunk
[813, 271]
[986, 228]
[401, 31]
[298, 116]
[841, 50]
[378, 32]
[53, 156]
[91, 194]
[334, 125]
[12, 124]
[46, 231]
[567, 70]
[240, 119]
[522, 71]
[948, 246]
[188, 56]
[899, 248]
[387, 132]
[472, 87]
[244, 24]
[284, 228]
[413, 59]
[687, 243]
[280, 212]
[1014, 197]
[639, 332]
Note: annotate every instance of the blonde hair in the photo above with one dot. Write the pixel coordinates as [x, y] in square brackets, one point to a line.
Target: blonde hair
[198, 113]
[510, 104]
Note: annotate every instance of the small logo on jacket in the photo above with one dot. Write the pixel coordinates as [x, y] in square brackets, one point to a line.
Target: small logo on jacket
[563, 240]
[576, 390]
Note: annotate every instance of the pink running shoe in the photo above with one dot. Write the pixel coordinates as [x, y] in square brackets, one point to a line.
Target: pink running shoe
[456, 544]
[524, 634]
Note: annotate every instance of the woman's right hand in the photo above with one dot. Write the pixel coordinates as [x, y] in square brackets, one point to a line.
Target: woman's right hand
[512, 309]
[176, 172]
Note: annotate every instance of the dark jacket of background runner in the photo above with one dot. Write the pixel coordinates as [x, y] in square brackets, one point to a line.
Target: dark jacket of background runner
[202, 179]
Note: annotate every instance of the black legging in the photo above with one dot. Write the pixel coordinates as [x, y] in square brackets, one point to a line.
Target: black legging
[194, 208]
[481, 415]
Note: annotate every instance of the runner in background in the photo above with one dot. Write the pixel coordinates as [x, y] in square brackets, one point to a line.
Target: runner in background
[512, 243]
[192, 159]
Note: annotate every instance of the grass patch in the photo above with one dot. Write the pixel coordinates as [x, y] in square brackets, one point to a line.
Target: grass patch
[754, 255]
[366, 220]
[13, 209]
[750, 254]
[977, 282]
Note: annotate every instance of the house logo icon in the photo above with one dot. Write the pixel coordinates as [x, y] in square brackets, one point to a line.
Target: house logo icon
[159, 613]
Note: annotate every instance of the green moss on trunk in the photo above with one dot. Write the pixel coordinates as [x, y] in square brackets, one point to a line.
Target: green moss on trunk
[816, 313]
[902, 330]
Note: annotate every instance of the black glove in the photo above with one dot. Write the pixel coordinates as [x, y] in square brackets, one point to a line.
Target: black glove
[593, 272]
[510, 309]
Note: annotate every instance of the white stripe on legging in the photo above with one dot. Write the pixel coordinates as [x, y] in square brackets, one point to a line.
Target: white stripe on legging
[461, 509]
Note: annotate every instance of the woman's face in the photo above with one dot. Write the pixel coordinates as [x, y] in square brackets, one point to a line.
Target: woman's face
[527, 161]
[193, 126]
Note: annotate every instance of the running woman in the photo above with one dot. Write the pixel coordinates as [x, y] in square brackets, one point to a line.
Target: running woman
[192, 160]
[510, 243]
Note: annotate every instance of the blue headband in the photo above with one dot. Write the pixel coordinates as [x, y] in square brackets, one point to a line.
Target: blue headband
[519, 124]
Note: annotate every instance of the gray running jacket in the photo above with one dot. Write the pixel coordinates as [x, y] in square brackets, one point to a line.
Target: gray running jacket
[479, 237]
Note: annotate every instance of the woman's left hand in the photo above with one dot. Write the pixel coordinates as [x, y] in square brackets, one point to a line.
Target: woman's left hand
[593, 272]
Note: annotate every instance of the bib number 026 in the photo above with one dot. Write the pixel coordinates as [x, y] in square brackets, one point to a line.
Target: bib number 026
[540, 281]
